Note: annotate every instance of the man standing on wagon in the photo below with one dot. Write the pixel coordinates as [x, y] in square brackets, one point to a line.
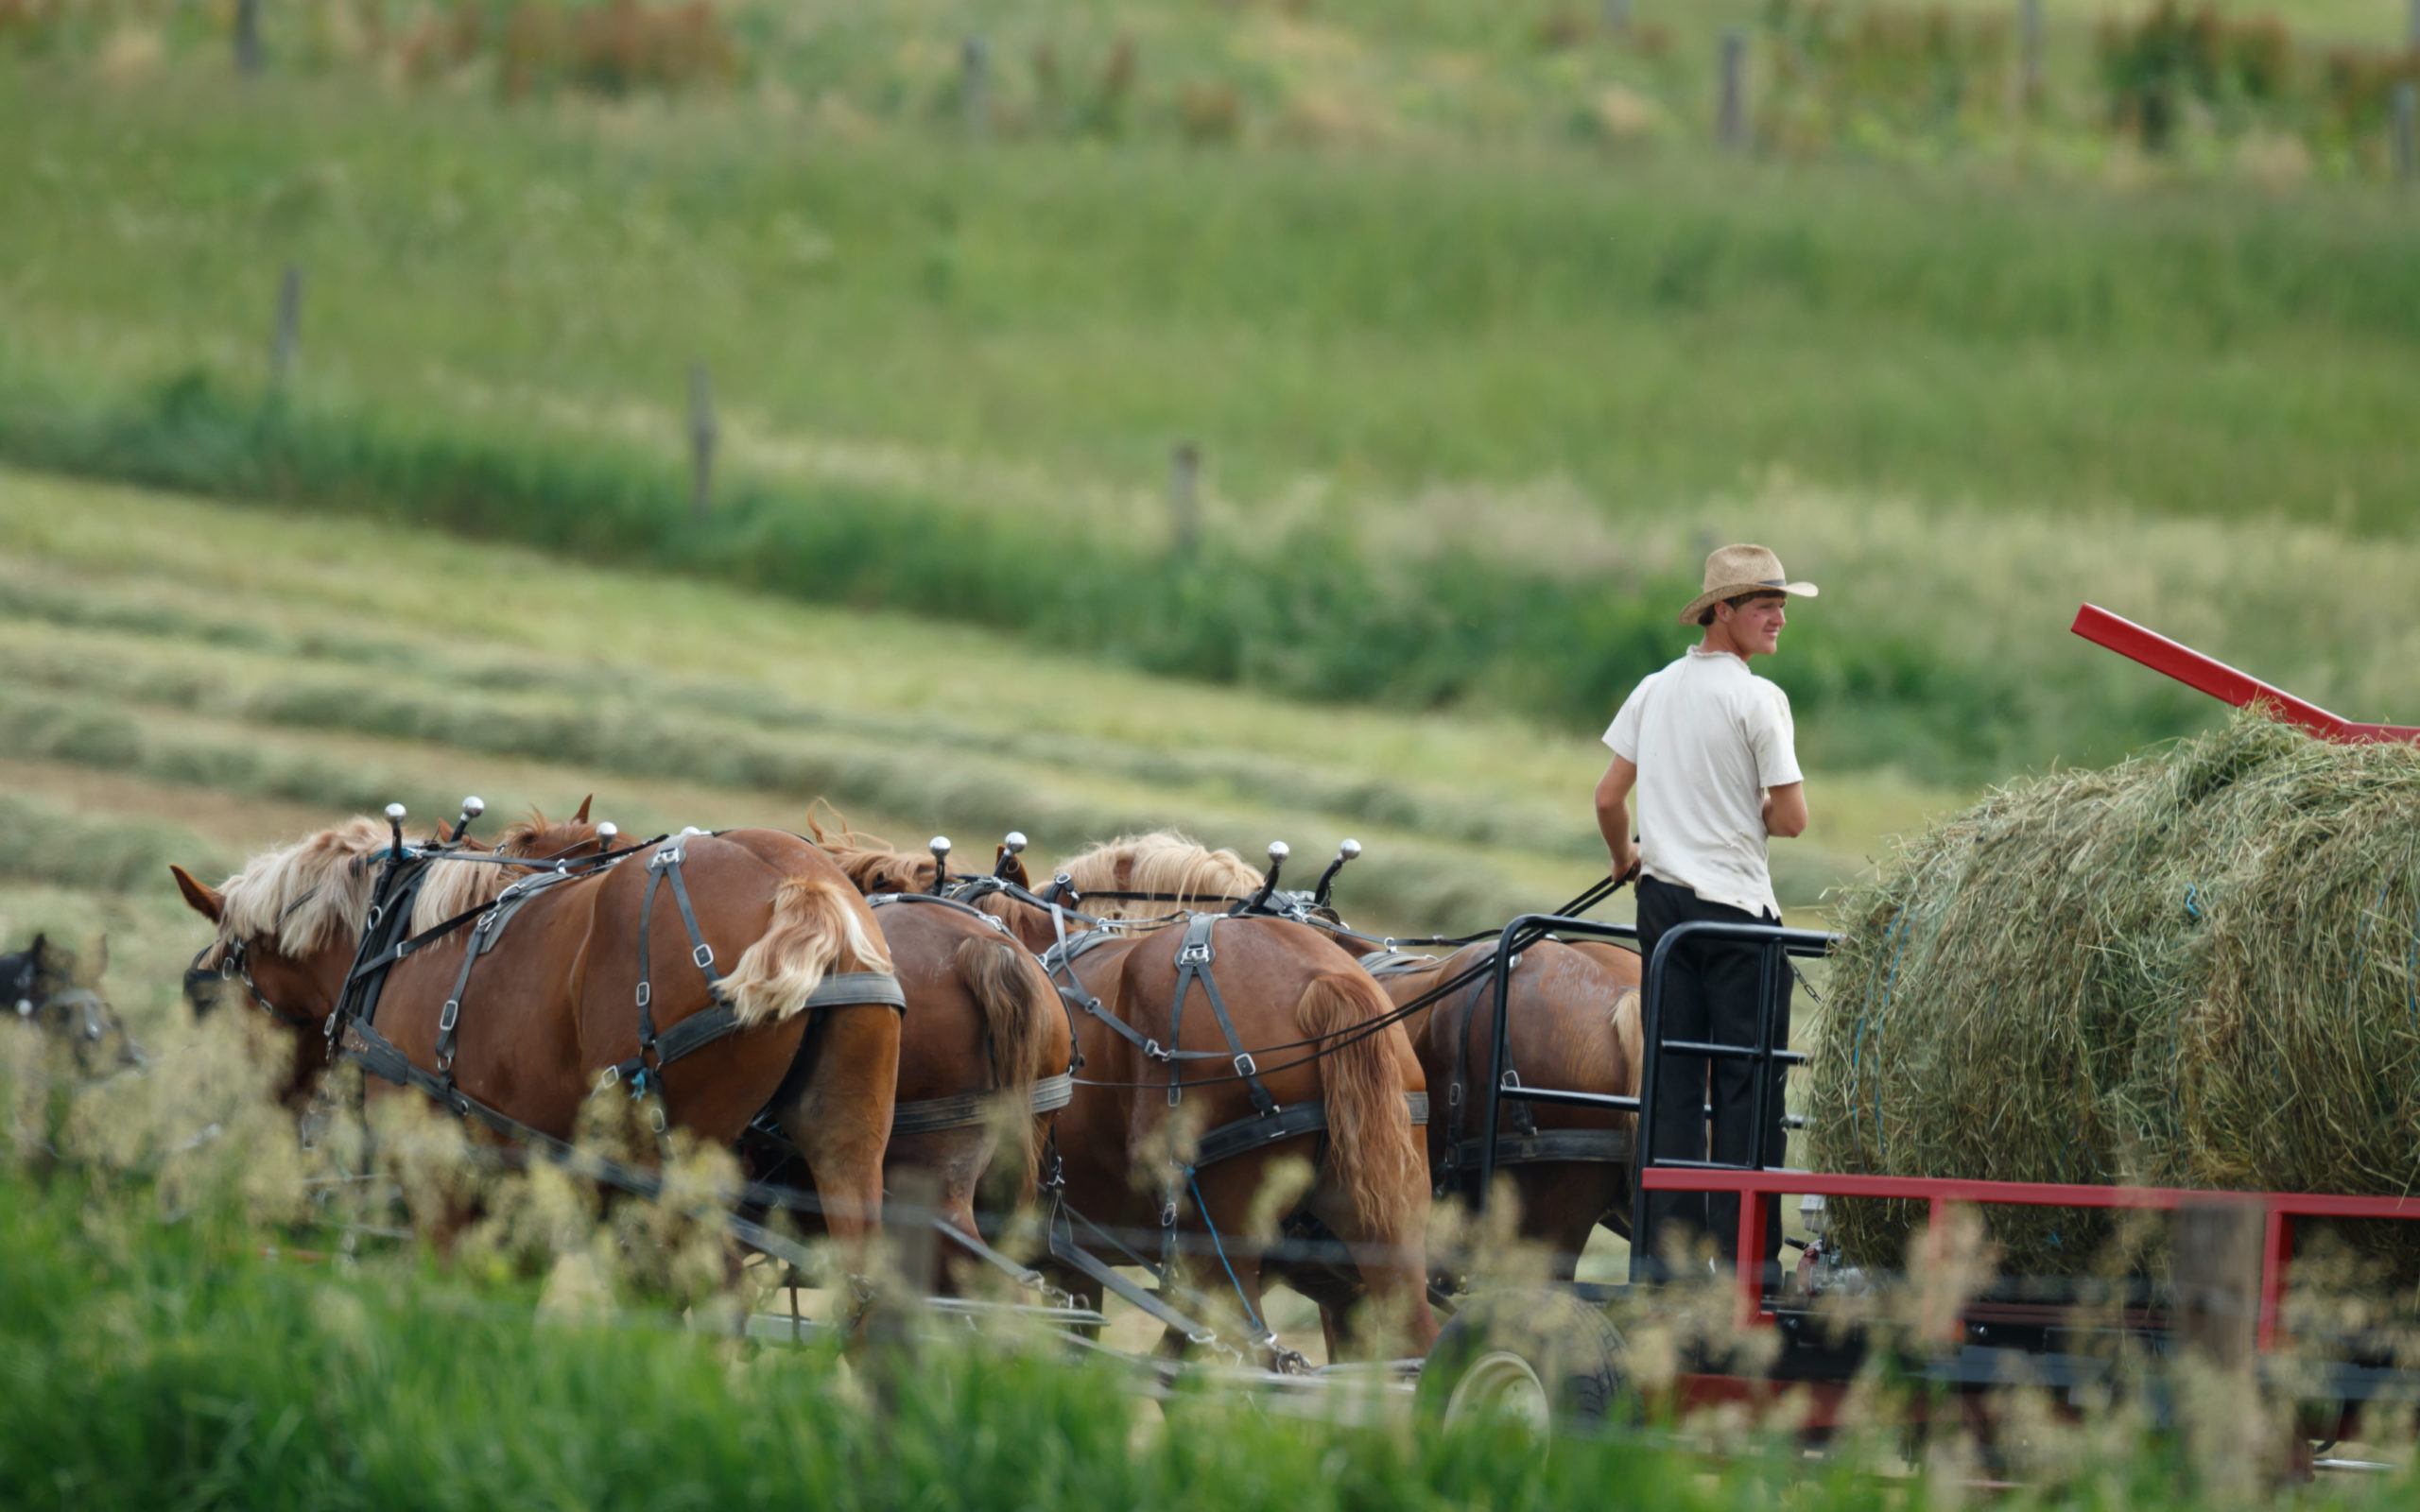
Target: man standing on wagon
[1708, 746]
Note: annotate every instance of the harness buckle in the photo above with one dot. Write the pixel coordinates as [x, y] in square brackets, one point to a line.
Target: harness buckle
[1512, 1077]
[1246, 1066]
[1195, 952]
[647, 994]
[447, 1015]
[377, 912]
[1151, 1048]
[1167, 1214]
[1454, 1098]
[655, 1116]
[609, 1078]
[704, 957]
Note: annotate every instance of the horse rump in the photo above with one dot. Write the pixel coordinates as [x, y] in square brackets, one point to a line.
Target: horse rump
[816, 928]
[1020, 1007]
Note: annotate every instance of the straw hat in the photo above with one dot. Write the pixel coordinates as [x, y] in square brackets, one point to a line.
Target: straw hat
[1736, 569]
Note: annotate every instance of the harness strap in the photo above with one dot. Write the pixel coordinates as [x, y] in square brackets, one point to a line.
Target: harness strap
[883, 900]
[1384, 964]
[1584, 1147]
[1246, 1134]
[839, 989]
[1193, 959]
[930, 1114]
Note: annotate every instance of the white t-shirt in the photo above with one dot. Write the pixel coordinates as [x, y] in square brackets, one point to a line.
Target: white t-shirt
[1708, 736]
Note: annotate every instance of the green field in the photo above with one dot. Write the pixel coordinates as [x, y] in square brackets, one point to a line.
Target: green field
[1470, 417]
[242, 674]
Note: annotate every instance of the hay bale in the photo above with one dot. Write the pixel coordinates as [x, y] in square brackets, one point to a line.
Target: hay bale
[2201, 967]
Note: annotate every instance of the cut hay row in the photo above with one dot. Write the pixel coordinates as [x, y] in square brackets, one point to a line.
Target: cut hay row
[2200, 968]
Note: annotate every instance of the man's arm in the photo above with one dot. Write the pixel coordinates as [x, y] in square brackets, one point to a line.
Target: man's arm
[1785, 810]
[1613, 816]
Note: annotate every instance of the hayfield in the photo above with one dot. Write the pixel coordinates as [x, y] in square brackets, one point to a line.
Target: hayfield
[238, 674]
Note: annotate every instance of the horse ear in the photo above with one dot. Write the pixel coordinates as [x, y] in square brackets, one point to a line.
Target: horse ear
[581, 817]
[200, 896]
[42, 943]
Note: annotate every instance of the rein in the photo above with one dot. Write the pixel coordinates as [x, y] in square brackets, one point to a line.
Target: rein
[1589, 899]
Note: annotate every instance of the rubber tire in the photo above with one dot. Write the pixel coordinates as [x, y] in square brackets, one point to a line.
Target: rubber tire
[1532, 1354]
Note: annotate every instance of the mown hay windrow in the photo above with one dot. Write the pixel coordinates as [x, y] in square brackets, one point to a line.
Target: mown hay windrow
[2199, 968]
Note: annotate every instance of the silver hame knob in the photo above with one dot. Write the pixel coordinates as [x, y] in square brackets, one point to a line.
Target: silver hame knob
[1015, 842]
[474, 806]
[608, 832]
[1349, 850]
[395, 812]
[1279, 850]
[940, 847]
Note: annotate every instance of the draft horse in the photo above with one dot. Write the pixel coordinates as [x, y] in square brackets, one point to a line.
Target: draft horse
[1573, 1011]
[985, 1061]
[553, 979]
[1262, 1039]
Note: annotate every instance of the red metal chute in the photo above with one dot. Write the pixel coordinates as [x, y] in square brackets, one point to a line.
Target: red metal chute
[2222, 681]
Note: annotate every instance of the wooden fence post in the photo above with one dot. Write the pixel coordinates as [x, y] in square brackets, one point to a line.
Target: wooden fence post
[975, 86]
[290, 325]
[2028, 32]
[247, 37]
[1731, 120]
[1184, 502]
[2215, 1281]
[2407, 131]
[701, 440]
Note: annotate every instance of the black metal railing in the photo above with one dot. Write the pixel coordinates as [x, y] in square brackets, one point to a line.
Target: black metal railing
[1776, 947]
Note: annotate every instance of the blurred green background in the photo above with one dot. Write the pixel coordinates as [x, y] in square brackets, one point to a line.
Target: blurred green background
[1480, 326]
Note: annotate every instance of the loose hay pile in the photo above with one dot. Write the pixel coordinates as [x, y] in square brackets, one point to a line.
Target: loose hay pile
[2201, 967]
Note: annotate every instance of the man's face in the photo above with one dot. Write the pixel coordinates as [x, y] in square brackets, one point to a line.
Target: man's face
[1755, 626]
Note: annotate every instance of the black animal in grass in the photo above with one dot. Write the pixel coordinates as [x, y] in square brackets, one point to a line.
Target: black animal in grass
[45, 986]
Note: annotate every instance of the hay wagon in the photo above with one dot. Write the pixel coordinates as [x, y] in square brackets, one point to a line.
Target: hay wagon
[2233, 1251]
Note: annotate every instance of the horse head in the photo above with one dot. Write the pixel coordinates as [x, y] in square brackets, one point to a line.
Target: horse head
[285, 929]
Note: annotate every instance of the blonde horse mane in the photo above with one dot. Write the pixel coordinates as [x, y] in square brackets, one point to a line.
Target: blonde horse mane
[304, 895]
[457, 888]
[870, 862]
[1179, 870]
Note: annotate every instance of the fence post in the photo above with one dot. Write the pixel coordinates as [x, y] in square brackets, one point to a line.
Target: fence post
[2028, 32]
[1731, 120]
[1184, 502]
[2407, 131]
[290, 325]
[2216, 1281]
[975, 86]
[1618, 17]
[701, 439]
[247, 37]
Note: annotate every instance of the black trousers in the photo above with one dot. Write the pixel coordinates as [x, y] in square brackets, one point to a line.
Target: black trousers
[1710, 995]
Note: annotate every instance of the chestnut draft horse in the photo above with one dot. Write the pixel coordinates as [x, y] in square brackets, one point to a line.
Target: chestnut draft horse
[1275, 1054]
[1574, 1016]
[984, 1052]
[566, 980]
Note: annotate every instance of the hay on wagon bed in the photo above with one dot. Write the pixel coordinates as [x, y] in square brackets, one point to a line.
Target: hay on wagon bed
[2201, 967]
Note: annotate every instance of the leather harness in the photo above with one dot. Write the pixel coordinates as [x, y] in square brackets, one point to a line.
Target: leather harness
[353, 1026]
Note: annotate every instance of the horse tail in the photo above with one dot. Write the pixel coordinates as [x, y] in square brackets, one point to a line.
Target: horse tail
[1019, 1009]
[1630, 1037]
[818, 926]
[1371, 1152]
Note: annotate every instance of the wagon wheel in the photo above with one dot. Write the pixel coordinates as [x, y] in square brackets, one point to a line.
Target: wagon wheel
[1542, 1359]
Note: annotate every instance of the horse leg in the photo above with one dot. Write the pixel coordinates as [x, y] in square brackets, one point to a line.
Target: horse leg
[956, 1159]
[841, 1120]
